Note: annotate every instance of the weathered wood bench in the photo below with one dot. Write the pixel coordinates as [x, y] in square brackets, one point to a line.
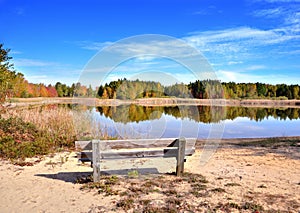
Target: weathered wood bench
[96, 150]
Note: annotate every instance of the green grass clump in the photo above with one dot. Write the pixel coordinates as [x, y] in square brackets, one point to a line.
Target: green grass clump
[105, 186]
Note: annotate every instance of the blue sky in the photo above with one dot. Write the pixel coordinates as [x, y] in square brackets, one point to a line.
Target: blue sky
[243, 40]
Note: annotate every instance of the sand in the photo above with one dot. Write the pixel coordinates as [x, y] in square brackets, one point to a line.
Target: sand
[23, 102]
[271, 178]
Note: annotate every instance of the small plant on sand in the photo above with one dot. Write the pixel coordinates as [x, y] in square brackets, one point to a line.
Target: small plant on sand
[133, 174]
[232, 184]
[262, 186]
[126, 204]
[194, 178]
[219, 190]
[104, 186]
[227, 207]
[252, 206]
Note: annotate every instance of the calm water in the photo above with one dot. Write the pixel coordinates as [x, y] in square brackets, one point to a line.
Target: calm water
[132, 121]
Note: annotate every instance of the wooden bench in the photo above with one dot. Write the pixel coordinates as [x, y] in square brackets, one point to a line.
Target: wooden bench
[96, 150]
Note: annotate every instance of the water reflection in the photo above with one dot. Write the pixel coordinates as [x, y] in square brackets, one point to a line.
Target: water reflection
[205, 114]
[134, 121]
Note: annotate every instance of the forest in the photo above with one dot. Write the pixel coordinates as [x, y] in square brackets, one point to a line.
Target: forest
[13, 84]
[125, 89]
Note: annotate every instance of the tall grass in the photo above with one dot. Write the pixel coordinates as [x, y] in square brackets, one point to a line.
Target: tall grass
[40, 130]
[56, 123]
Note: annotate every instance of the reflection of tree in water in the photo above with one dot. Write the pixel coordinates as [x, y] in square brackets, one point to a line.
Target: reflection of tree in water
[204, 114]
[130, 113]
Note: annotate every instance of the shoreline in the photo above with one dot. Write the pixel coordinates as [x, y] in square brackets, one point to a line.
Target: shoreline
[21, 102]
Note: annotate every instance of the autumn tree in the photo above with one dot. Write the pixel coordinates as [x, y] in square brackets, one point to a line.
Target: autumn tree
[7, 74]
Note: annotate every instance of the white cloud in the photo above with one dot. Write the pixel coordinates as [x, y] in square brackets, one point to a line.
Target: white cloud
[228, 75]
[201, 12]
[269, 13]
[23, 62]
[234, 62]
[91, 45]
[145, 58]
[255, 67]
[37, 77]
[15, 52]
[234, 39]
[287, 15]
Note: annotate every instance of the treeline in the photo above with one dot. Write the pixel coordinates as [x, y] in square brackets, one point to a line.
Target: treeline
[125, 89]
[261, 90]
[19, 87]
[13, 84]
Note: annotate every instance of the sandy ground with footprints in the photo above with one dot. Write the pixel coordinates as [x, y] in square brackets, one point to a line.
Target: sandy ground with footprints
[271, 178]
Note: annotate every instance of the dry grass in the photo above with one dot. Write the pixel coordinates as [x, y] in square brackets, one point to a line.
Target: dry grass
[165, 193]
[55, 122]
[61, 121]
[26, 132]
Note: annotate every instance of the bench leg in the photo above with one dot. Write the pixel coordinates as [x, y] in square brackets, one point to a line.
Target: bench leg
[96, 160]
[180, 156]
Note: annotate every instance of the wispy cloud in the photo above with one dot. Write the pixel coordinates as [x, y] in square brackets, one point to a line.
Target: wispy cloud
[235, 38]
[240, 77]
[207, 11]
[269, 13]
[23, 62]
[38, 78]
[255, 67]
[277, 1]
[15, 52]
[91, 45]
[234, 62]
[287, 14]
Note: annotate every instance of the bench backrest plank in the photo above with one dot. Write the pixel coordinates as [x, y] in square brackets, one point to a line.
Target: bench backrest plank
[133, 143]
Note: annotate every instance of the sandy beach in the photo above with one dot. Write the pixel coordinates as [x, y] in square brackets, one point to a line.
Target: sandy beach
[270, 178]
[23, 102]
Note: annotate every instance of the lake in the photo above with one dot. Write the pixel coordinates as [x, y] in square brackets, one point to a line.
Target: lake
[134, 121]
